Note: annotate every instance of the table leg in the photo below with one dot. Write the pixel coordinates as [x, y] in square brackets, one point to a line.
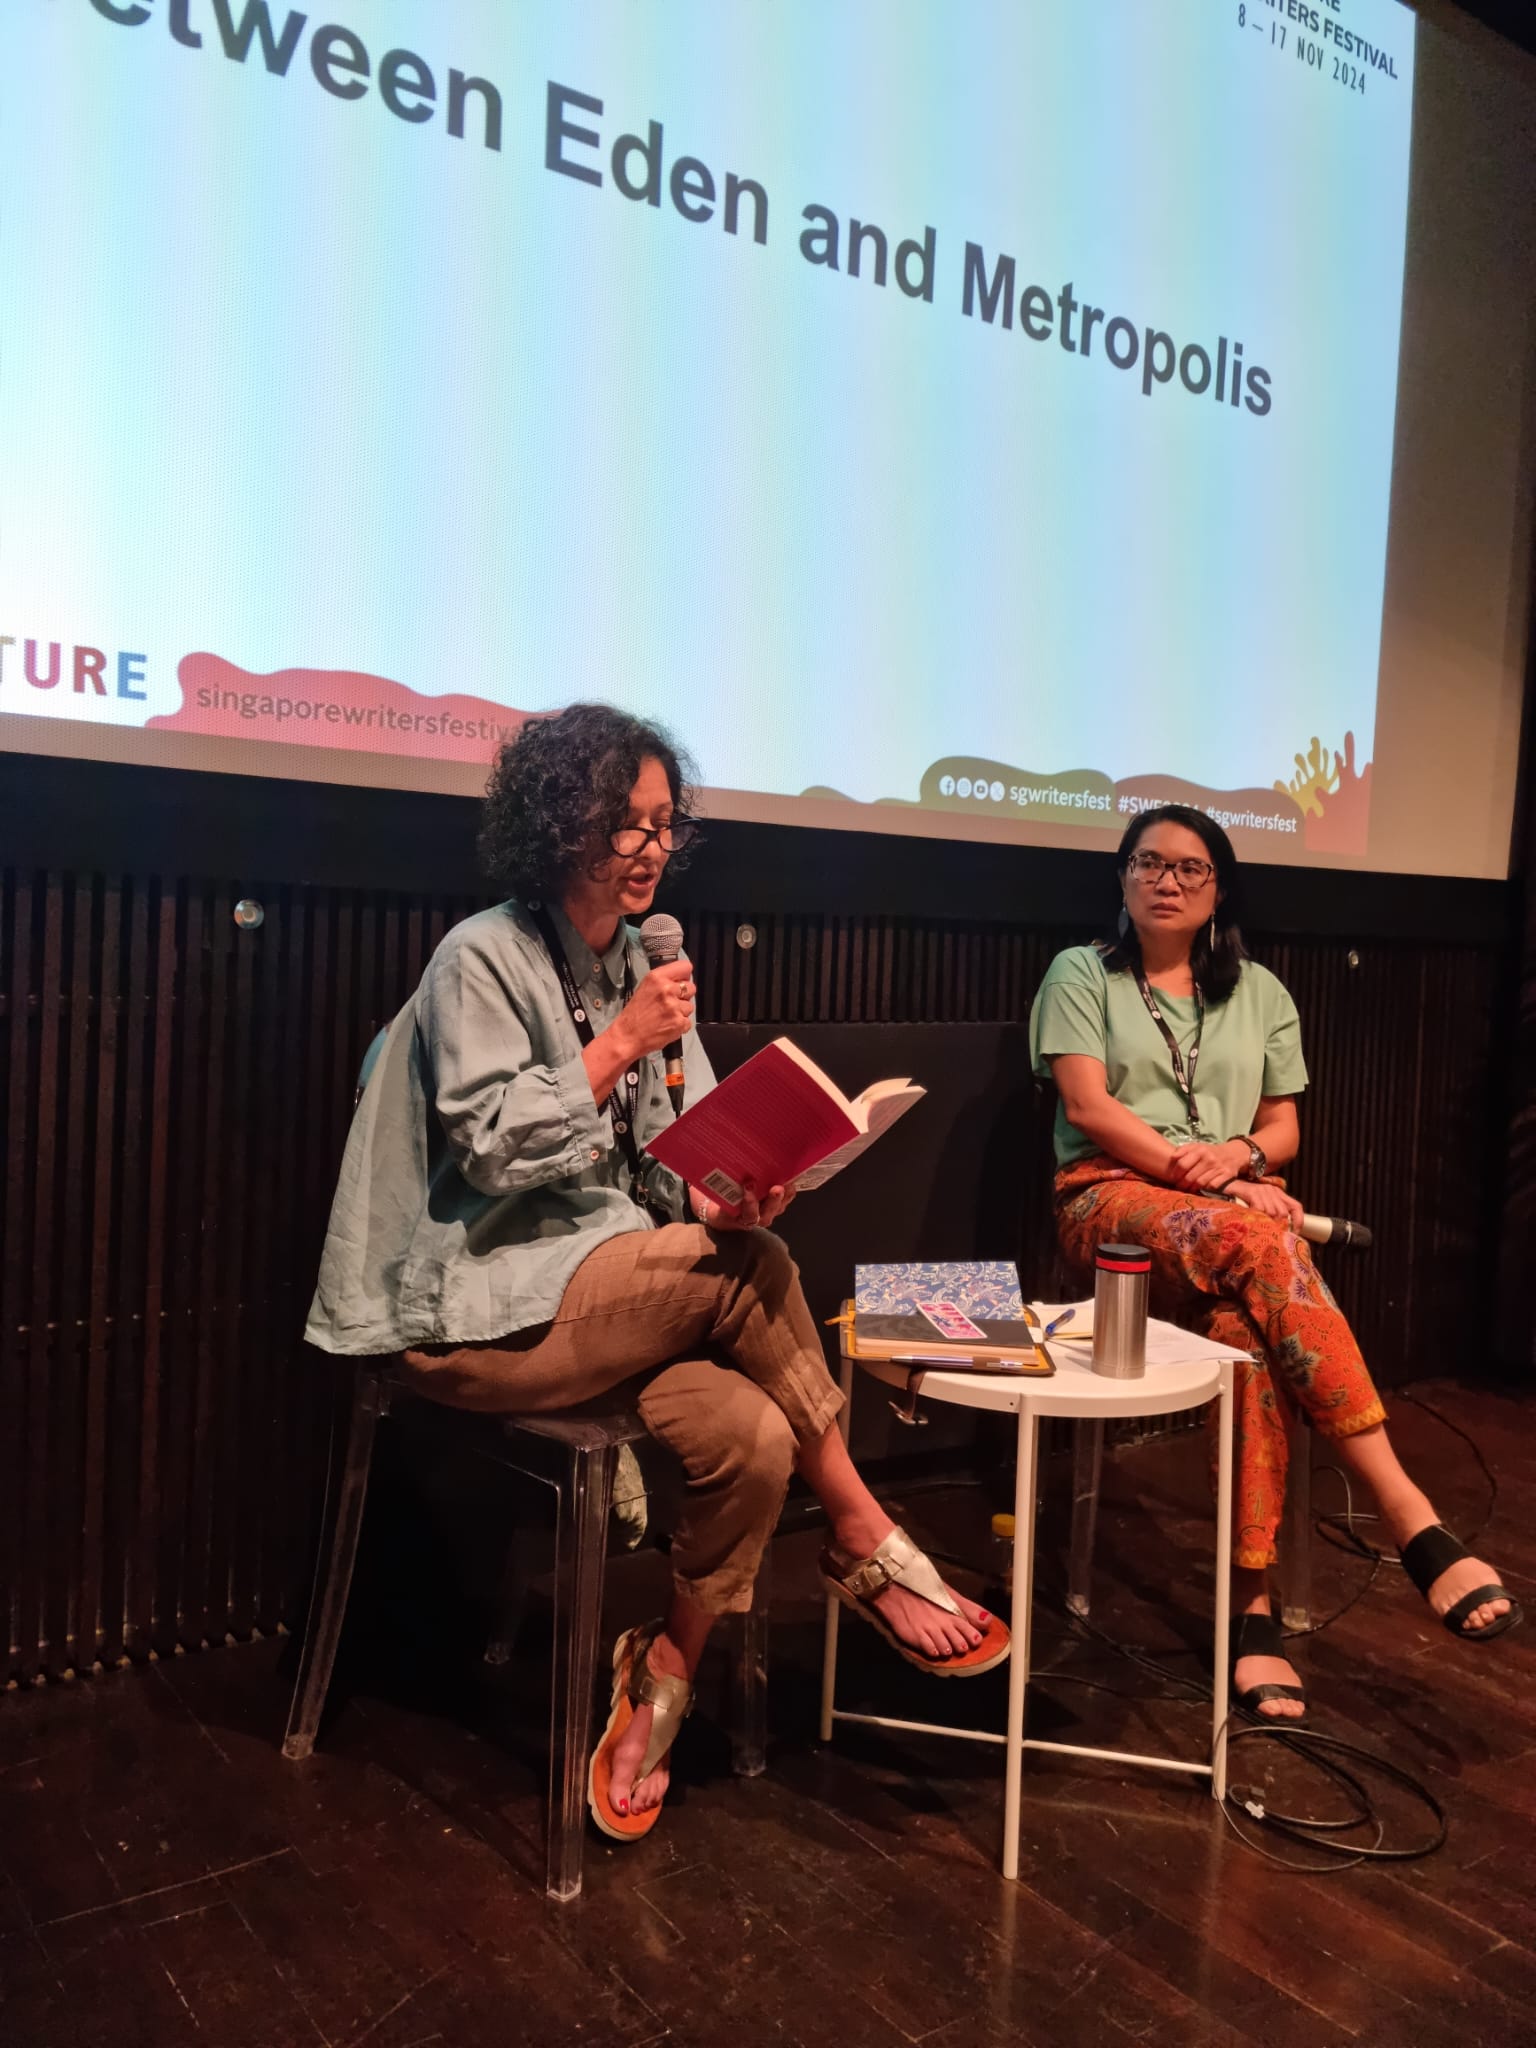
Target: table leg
[1087, 1471]
[1018, 1663]
[1223, 1587]
[834, 1607]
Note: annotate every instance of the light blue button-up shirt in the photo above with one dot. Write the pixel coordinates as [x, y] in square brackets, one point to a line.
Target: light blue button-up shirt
[479, 1172]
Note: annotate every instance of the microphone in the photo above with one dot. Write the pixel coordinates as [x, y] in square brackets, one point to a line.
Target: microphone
[1334, 1230]
[1326, 1229]
[662, 938]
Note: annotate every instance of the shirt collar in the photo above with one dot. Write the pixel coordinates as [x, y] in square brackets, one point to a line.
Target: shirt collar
[584, 962]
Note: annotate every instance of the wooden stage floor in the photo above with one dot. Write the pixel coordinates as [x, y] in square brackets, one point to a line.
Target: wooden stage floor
[166, 1879]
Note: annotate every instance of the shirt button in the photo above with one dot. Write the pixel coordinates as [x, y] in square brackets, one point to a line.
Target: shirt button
[597, 1002]
[595, 1153]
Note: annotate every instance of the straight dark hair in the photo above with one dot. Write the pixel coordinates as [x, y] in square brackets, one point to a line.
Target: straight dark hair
[1216, 967]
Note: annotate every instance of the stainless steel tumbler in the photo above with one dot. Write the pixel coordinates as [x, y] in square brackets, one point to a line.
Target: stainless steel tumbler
[1120, 1310]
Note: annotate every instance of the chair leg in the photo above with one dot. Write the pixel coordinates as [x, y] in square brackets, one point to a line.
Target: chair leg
[1087, 1463]
[749, 1733]
[581, 1532]
[1296, 1531]
[527, 1554]
[346, 1493]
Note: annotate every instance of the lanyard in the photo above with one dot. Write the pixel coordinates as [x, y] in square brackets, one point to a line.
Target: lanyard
[1183, 1074]
[622, 1112]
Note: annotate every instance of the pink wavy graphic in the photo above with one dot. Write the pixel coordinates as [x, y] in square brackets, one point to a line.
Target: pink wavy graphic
[335, 708]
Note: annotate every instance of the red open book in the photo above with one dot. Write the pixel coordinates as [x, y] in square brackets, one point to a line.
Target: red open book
[777, 1121]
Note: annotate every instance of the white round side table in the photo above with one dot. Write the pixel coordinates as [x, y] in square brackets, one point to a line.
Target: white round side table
[1183, 1371]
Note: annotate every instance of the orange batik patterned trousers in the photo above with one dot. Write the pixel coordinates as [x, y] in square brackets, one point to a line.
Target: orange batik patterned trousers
[1244, 1280]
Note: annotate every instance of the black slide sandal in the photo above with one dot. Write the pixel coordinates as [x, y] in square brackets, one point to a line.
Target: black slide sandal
[1260, 1635]
[1433, 1551]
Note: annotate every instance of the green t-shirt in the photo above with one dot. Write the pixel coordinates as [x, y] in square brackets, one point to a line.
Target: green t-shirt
[1251, 1047]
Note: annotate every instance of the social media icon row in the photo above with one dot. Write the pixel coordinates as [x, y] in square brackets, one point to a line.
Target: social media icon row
[981, 789]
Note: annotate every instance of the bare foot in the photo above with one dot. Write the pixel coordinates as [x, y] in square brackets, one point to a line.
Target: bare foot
[628, 1755]
[922, 1626]
[663, 1660]
[1455, 1583]
[927, 1628]
[1251, 1671]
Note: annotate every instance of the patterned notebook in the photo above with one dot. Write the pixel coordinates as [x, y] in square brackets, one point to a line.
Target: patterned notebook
[973, 1308]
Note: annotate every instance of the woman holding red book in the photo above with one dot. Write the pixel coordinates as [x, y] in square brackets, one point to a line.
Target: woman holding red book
[498, 1225]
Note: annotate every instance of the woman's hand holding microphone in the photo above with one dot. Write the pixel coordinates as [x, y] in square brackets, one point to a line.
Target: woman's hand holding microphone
[660, 1011]
[1265, 1200]
[1218, 1170]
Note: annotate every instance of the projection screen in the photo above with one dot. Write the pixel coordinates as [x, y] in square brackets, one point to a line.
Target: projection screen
[970, 419]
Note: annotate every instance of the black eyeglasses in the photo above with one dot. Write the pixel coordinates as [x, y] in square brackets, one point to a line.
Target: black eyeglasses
[633, 839]
[1151, 867]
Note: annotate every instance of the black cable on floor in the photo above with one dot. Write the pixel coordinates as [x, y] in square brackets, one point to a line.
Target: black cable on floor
[1313, 1833]
[1320, 1751]
[1314, 1748]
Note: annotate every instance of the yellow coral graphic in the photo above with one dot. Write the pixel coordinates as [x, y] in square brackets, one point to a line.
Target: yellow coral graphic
[1316, 773]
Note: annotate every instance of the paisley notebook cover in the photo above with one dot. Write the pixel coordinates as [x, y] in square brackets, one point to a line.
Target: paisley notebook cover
[971, 1307]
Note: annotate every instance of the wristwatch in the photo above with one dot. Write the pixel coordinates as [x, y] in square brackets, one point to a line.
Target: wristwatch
[1257, 1165]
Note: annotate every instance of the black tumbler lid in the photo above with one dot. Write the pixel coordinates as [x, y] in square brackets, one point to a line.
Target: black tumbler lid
[1123, 1258]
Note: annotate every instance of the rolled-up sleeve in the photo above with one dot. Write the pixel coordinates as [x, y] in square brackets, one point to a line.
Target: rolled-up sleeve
[511, 1120]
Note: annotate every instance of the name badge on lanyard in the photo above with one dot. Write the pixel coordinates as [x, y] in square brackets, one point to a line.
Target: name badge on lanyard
[621, 1109]
[1183, 1070]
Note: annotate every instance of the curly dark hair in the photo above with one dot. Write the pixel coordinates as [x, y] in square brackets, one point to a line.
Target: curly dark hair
[1217, 969]
[559, 780]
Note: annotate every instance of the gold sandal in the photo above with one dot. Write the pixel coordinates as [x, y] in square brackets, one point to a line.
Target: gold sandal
[635, 1685]
[897, 1561]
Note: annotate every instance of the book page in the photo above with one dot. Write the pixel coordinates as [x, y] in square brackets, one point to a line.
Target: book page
[883, 1111]
[865, 1106]
[828, 1086]
[885, 1104]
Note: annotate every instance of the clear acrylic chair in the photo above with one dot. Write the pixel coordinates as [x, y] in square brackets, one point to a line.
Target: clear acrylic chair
[582, 1478]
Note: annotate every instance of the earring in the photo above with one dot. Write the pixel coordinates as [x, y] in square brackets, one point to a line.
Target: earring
[1123, 921]
[1210, 937]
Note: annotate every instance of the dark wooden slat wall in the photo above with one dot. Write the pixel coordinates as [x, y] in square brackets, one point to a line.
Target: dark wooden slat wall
[176, 1093]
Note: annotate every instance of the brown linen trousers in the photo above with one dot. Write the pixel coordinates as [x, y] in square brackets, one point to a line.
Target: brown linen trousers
[714, 1330]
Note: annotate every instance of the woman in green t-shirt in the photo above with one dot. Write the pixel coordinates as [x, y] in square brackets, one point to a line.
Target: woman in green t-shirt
[1177, 1061]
